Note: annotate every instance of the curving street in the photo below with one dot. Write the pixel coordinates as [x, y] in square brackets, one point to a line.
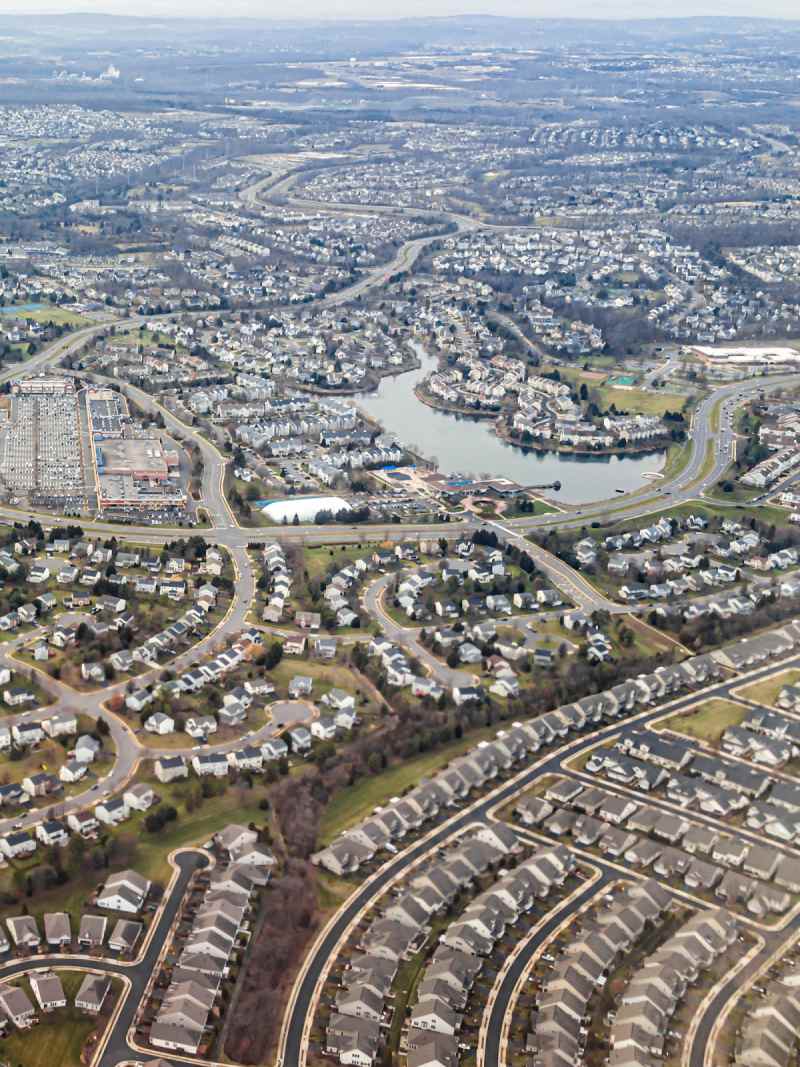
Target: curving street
[710, 450]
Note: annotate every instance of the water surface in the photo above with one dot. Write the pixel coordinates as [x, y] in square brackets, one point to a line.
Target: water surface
[470, 446]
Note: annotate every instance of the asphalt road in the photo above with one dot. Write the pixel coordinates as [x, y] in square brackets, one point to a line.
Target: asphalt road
[117, 1049]
[686, 486]
[369, 893]
[504, 997]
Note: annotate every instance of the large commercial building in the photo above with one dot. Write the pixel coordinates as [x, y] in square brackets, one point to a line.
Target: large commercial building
[44, 385]
[133, 472]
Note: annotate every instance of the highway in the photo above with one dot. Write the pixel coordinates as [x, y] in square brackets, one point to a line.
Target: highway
[710, 451]
[224, 531]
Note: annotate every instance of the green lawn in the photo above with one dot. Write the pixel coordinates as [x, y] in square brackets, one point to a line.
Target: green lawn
[60, 1035]
[61, 316]
[677, 458]
[131, 845]
[326, 676]
[766, 692]
[191, 829]
[739, 493]
[644, 401]
[709, 722]
[350, 805]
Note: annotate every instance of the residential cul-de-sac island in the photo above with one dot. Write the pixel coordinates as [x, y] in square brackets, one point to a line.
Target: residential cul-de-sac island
[399, 547]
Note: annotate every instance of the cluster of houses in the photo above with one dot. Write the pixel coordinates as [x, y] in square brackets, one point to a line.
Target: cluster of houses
[559, 1024]
[420, 594]
[248, 757]
[137, 797]
[479, 645]
[195, 679]
[670, 845]
[110, 611]
[639, 1032]
[207, 940]
[192, 622]
[124, 892]
[684, 568]
[765, 737]
[25, 733]
[340, 593]
[724, 606]
[769, 1033]
[48, 992]
[353, 1032]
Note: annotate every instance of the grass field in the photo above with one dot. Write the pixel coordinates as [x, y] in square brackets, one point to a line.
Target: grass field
[354, 803]
[709, 722]
[766, 692]
[540, 507]
[677, 458]
[61, 316]
[739, 494]
[60, 1035]
[326, 676]
[644, 401]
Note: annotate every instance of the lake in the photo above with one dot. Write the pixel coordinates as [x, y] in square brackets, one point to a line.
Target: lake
[470, 446]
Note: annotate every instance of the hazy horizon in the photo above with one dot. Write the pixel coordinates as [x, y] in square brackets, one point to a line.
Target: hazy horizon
[397, 9]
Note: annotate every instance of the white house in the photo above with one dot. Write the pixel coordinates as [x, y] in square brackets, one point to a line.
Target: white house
[139, 797]
[159, 723]
[72, 771]
[210, 763]
[125, 891]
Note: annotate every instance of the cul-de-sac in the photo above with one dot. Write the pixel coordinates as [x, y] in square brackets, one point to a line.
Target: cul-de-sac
[399, 538]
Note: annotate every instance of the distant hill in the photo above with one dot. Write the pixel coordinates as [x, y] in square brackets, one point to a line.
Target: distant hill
[352, 37]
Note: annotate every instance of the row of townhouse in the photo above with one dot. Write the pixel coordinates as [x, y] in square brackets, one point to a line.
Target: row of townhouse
[217, 928]
[560, 1023]
[649, 1001]
[771, 469]
[750, 652]
[442, 994]
[769, 1032]
[354, 1029]
[279, 581]
[511, 747]
[763, 737]
[758, 877]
